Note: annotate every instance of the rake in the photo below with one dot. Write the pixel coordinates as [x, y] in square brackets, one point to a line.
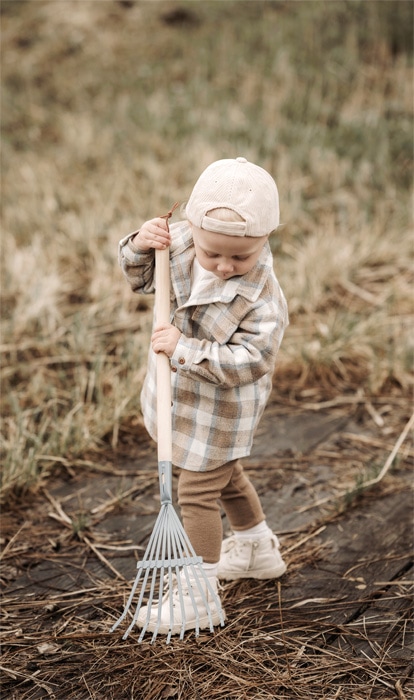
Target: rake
[170, 562]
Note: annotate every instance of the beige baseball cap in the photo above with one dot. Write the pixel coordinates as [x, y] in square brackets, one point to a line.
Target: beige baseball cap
[246, 188]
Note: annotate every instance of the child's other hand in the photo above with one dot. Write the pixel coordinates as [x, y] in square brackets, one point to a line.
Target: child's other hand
[165, 338]
[153, 234]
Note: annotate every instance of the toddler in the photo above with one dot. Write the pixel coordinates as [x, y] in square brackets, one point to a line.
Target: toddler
[228, 316]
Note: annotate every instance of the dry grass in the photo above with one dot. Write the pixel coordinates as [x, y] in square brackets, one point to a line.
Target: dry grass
[56, 642]
[249, 659]
[315, 635]
[111, 109]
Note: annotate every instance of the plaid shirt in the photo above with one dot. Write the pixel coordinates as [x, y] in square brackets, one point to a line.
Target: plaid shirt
[223, 364]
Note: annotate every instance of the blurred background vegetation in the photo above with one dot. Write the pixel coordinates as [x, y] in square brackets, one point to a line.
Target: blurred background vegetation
[110, 111]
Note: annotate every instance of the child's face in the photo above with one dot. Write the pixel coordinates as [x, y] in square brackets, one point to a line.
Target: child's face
[226, 256]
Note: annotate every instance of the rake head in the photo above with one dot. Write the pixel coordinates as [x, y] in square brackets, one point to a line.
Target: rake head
[175, 595]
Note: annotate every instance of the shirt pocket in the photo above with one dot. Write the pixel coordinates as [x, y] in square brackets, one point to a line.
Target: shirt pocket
[213, 322]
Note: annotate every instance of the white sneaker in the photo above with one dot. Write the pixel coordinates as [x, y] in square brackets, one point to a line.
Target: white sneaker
[253, 558]
[186, 607]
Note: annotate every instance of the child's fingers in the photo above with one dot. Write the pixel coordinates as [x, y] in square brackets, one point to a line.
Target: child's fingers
[156, 234]
[160, 343]
[165, 338]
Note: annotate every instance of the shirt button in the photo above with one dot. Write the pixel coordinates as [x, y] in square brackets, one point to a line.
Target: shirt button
[181, 361]
[173, 369]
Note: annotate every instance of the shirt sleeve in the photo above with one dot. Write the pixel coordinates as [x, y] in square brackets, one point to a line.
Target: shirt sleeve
[137, 266]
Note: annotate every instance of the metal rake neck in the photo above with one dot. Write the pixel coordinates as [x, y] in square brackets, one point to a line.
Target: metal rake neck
[165, 479]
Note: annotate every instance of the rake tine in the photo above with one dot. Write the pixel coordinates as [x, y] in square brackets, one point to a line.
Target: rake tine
[149, 555]
[149, 603]
[160, 579]
[154, 556]
[128, 604]
[141, 596]
[193, 602]
[198, 575]
[197, 561]
[175, 541]
[182, 543]
[171, 553]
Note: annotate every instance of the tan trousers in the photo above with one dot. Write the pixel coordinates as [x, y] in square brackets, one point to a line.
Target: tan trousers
[200, 495]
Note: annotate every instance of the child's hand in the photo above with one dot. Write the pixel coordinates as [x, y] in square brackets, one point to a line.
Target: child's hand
[153, 234]
[165, 338]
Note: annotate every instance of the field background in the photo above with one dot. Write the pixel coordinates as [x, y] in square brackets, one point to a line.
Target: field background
[110, 110]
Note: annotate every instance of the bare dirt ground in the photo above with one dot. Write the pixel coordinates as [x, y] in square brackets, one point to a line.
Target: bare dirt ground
[338, 624]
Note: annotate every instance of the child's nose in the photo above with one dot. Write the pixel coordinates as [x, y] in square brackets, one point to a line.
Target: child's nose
[225, 265]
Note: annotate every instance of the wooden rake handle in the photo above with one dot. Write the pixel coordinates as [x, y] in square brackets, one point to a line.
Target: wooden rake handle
[162, 315]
